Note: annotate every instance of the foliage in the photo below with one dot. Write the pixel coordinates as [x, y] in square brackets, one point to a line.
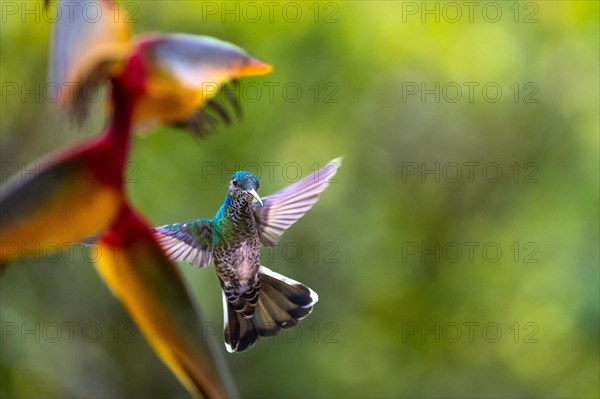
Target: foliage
[368, 335]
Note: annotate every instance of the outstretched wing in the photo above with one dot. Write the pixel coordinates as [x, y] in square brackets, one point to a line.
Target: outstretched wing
[190, 242]
[284, 208]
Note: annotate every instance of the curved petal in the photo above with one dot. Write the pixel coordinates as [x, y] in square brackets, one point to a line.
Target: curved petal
[183, 72]
[60, 204]
[89, 40]
[148, 284]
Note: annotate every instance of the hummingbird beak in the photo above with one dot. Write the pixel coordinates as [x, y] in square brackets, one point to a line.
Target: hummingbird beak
[255, 195]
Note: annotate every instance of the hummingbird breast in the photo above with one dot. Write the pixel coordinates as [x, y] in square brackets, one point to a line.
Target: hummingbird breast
[238, 265]
[237, 260]
[248, 262]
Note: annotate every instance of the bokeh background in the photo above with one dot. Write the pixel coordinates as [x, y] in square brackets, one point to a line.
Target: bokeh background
[437, 276]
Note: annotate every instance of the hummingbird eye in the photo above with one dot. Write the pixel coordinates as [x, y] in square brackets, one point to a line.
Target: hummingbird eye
[235, 182]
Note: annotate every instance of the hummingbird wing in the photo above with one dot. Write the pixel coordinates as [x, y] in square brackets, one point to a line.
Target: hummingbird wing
[284, 208]
[190, 242]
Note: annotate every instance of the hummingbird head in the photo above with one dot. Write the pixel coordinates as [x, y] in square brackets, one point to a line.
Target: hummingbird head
[243, 185]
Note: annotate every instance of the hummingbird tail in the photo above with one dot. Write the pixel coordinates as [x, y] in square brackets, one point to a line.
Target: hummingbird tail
[240, 333]
[282, 302]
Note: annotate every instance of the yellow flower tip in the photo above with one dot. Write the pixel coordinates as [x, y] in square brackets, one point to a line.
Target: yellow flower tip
[256, 67]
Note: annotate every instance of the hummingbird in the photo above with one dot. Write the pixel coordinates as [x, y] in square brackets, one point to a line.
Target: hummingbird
[257, 302]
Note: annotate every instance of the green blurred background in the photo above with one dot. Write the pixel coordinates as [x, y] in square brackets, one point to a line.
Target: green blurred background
[406, 308]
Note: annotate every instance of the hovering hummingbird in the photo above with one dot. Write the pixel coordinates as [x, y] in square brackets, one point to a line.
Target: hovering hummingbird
[257, 302]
